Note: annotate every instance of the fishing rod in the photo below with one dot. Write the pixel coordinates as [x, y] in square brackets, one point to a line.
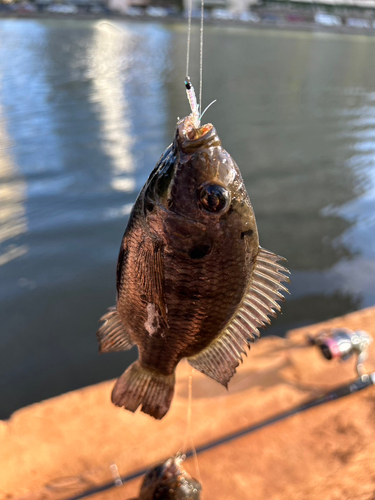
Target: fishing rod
[334, 344]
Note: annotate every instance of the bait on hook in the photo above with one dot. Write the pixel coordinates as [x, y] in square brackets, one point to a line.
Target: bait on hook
[194, 106]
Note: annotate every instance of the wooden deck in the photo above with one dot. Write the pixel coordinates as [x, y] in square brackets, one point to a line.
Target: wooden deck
[65, 446]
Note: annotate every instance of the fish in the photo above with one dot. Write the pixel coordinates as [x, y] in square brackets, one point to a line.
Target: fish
[192, 279]
[169, 481]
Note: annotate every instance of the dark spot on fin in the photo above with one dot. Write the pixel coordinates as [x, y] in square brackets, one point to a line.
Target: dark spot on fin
[249, 232]
[139, 386]
[220, 359]
[111, 335]
[199, 251]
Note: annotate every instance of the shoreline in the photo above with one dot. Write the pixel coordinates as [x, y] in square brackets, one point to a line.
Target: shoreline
[262, 25]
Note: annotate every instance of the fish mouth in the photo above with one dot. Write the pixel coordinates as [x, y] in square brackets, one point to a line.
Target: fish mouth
[192, 137]
[171, 468]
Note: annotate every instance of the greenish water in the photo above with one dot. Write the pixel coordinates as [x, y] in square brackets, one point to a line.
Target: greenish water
[86, 111]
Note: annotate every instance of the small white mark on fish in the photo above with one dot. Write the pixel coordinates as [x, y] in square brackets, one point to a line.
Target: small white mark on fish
[152, 324]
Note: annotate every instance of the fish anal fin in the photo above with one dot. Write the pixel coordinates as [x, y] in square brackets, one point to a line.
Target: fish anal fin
[112, 335]
[220, 359]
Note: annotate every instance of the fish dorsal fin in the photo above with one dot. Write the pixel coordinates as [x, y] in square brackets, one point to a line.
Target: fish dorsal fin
[111, 335]
[220, 359]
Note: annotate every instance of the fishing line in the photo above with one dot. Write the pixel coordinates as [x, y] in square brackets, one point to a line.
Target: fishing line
[188, 436]
[188, 39]
[196, 463]
[201, 57]
[196, 108]
[188, 415]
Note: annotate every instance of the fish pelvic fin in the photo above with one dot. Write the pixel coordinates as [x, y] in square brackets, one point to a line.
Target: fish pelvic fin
[220, 359]
[112, 335]
[140, 386]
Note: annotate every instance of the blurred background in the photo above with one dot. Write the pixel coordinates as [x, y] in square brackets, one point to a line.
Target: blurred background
[86, 109]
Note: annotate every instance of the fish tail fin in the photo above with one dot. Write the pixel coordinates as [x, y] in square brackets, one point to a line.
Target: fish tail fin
[141, 386]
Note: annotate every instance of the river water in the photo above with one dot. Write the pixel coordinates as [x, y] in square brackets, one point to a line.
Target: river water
[86, 109]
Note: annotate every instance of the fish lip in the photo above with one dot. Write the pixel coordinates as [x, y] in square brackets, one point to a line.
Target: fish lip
[171, 467]
[190, 138]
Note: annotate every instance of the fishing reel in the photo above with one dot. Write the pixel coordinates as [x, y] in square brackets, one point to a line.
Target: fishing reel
[342, 343]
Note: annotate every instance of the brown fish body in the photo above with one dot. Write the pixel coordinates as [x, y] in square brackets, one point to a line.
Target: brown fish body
[185, 269]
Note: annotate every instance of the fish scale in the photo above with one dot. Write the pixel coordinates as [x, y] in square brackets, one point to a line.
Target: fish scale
[192, 279]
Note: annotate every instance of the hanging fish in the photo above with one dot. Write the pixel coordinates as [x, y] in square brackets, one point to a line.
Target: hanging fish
[192, 280]
[169, 481]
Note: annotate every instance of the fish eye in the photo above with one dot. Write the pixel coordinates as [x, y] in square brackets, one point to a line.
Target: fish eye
[214, 198]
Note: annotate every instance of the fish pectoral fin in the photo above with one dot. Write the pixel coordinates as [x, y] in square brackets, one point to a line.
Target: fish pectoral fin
[150, 270]
[112, 335]
[220, 359]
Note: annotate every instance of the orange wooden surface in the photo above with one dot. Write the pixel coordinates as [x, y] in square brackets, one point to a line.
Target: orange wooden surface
[64, 446]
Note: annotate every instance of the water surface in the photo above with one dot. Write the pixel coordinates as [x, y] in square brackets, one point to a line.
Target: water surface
[85, 112]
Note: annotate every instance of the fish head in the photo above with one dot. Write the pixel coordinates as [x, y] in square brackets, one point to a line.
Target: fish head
[170, 481]
[197, 180]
